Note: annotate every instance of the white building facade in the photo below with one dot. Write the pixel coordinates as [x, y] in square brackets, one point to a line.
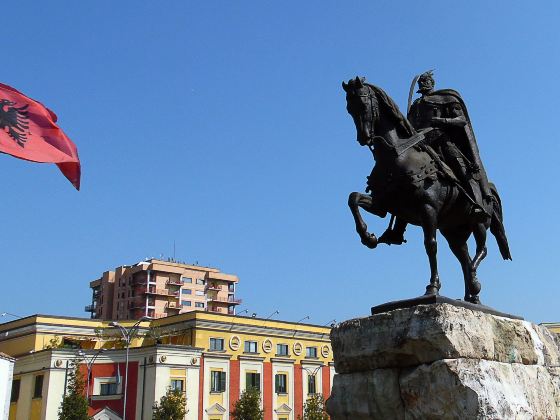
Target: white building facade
[6, 376]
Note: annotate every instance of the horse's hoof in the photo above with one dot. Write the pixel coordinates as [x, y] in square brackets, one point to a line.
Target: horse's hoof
[370, 241]
[472, 299]
[431, 290]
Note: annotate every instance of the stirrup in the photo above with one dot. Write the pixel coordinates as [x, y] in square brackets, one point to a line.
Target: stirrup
[391, 237]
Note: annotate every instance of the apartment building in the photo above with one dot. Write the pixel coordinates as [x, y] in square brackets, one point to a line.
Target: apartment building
[157, 289]
[210, 357]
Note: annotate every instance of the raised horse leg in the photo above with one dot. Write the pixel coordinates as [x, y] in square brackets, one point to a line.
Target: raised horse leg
[458, 244]
[429, 226]
[368, 203]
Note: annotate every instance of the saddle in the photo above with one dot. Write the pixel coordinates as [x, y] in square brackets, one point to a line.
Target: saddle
[398, 168]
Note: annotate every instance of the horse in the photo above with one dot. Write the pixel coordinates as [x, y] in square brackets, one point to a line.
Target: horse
[408, 182]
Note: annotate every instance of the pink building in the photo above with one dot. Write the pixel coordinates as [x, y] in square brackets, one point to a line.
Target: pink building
[157, 288]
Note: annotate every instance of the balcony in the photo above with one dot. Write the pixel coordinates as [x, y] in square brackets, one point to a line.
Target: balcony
[174, 282]
[139, 305]
[216, 310]
[215, 287]
[228, 300]
[174, 305]
[162, 292]
[90, 308]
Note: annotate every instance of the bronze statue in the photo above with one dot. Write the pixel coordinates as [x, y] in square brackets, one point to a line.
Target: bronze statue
[427, 172]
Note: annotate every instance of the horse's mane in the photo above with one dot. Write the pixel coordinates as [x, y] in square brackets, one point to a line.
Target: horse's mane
[393, 109]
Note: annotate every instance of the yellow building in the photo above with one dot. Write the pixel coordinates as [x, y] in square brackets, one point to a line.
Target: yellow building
[211, 357]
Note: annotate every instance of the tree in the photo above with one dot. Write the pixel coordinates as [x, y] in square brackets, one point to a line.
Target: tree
[74, 404]
[314, 408]
[171, 406]
[248, 406]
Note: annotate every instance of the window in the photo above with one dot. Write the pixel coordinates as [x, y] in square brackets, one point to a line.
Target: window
[217, 381]
[231, 287]
[216, 344]
[177, 385]
[311, 384]
[199, 304]
[253, 380]
[38, 388]
[15, 390]
[281, 349]
[250, 346]
[311, 352]
[200, 281]
[280, 383]
[108, 388]
[186, 291]
[199, 292]
[186, 279]
[186, 303]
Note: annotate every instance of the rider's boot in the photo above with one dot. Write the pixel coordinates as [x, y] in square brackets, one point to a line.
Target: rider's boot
[478, 214]
[394, 236]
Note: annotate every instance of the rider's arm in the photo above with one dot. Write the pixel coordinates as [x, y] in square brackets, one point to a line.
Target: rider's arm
[456, 117]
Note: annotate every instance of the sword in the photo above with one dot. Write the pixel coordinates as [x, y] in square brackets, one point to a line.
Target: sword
[411, 93]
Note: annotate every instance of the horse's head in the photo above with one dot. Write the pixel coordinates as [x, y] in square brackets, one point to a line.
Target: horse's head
[361, 103]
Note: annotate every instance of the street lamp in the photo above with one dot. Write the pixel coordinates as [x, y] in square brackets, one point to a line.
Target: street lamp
[89, 364]
[332, 323]
[312, 373]
[272, 314]
[3, 314]
[238, 314]
[127, 335]
[302, 319]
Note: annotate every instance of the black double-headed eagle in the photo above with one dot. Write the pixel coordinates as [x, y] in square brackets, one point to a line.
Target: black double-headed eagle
[14, 121]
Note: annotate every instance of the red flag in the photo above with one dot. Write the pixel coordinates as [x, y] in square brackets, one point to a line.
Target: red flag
[28, 131]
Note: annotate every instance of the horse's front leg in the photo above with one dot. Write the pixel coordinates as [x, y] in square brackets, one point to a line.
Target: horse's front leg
[357, 200]
[429, 226]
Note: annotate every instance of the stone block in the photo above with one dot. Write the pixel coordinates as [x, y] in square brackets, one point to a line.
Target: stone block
[442, 361]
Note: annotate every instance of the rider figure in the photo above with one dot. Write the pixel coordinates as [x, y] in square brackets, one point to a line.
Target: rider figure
[451, 142]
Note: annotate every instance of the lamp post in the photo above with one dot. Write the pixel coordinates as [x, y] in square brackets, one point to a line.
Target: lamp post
[127, 335]
[312, 373]
[3, 314]
[276, 312]
[270, 316]
[89, 364]
[297, 323]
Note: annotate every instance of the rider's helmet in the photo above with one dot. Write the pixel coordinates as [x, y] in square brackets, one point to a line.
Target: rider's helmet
[426, 82]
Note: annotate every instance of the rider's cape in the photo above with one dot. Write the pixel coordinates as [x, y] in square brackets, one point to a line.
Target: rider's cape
[465, 139]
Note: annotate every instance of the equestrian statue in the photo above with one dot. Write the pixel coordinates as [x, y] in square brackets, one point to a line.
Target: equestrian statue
[428, 173]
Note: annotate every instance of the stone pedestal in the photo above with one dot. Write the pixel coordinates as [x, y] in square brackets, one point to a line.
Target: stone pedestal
[442, 361]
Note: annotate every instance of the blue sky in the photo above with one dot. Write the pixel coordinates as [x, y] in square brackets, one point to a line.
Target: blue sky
[221, 126]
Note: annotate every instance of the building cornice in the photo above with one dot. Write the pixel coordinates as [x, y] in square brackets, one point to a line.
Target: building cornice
[282, 360]
[212, 355]
[251, 358]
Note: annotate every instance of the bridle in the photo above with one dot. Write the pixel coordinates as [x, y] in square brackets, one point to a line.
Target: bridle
[374, 112]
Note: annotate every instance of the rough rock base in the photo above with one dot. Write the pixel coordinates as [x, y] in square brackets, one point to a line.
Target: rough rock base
[444, 362]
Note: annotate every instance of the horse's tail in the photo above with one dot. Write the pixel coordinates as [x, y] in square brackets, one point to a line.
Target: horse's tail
[497, 225]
